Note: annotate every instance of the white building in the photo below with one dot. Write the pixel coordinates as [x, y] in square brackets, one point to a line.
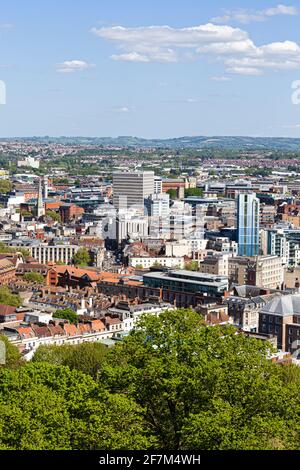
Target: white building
[29, 162]
[130, 189]
[144, 262]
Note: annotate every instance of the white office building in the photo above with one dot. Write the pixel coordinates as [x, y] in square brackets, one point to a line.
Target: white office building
[130, 189]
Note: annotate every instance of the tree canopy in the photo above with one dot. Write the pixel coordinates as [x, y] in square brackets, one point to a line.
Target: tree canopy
[66, 314]
[82, 257]
[5, 186]
[172, 384]
[34, 277]
[204, 387]
[85, 357]
[7, 298]
[45, 407]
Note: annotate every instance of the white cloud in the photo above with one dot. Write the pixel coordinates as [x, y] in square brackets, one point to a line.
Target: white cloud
[238, 47]
[221, 79]
[248, 16]
[121, 109]
[71, 66]
[251, 71]
[281, 10]
[166, 44]
[130, 57]
[222, 43]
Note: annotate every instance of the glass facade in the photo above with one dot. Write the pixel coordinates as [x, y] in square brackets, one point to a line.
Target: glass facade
[248, 225]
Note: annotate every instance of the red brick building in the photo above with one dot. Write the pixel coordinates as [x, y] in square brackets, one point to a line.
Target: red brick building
[70, 212]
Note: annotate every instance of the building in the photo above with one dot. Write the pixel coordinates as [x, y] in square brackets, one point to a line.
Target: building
[158, 185]
[216, 264]
[7, 271]
[248, 225]
[188, 281]
[214, 314]
[130, 314]
[263, 271]
[158, 205]
[45, 254]
[40, 211]
[131, 226]
[130, 189]
[69, 212]
[245, 310]
[281, 317]
[284, 242]
[146, 262]
[29, 162]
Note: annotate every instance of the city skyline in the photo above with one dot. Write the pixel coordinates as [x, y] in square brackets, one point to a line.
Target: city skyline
[150, 71]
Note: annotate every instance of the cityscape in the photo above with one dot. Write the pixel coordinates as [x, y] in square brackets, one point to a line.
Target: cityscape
[150, 283]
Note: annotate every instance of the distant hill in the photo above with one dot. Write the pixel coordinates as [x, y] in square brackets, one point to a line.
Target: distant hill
[201, 142]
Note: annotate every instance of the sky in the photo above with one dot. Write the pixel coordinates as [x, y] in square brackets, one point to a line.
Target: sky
[153, 69]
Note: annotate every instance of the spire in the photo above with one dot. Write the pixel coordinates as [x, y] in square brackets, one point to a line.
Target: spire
[46, 187]
[40, 204]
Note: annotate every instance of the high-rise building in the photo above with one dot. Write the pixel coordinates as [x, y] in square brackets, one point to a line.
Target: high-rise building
[157, 205]
[157, 185]
[46, 187]
[130, 189]
[40, 202]
[248, 225]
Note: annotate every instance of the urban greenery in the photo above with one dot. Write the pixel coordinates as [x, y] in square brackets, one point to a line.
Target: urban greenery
[172, 384]
[34, 277]
[66, 314]
[82, 257]
[8, 298]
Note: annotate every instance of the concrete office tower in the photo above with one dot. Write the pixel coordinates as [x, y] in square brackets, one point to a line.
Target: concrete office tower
[157, 185]
[46, 187]
[130, 189]
[40, 203]
[248, 225]
[158, 205]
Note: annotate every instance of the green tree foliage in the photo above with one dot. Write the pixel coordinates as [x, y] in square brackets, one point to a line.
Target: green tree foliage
[46, 407]
[85, 357]
[66, 314]
[7, 298]
[172, 193]
[82, 257]
[192, 266]
[8, 249]
[53, 215]
[173, 383]
[193, 192]
[204, 387]
[34, 277]
[5, 186]
[12, 354]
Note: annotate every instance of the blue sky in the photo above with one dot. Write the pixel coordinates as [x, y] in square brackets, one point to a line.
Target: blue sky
[149, 68]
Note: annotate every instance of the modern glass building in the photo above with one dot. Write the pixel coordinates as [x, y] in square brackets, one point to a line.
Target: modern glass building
[248, 225]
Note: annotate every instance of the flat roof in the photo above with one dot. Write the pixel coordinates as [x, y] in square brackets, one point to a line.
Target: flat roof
[205, 279]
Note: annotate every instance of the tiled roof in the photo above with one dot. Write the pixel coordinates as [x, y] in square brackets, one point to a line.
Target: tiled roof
[71, 330]
[6, 264]
[26, 332]
[6, 310]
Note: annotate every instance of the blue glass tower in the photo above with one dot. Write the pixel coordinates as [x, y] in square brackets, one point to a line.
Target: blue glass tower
[248, 225]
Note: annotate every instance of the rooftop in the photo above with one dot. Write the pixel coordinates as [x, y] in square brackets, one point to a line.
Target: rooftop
[284, 306]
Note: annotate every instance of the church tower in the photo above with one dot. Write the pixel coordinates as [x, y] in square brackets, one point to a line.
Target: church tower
[40, 204]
